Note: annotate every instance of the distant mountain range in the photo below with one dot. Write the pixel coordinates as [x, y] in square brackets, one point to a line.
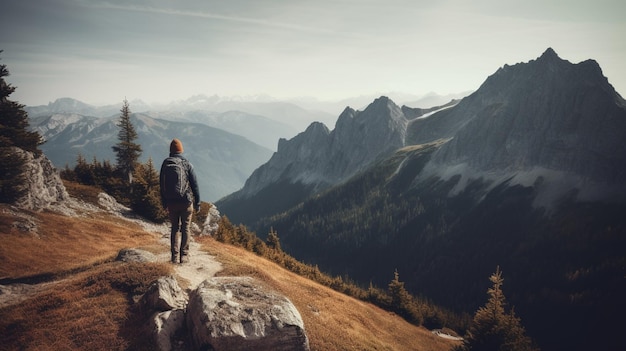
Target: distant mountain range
[71, 127]
[222, 160]
[527, 173]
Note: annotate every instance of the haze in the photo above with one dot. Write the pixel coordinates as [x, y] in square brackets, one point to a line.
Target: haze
[101, 52]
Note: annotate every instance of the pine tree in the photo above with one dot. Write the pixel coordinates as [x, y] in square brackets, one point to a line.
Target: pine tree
[402, 301]
[493, 329]
[126, 150]
[273, 241]
[13, 133]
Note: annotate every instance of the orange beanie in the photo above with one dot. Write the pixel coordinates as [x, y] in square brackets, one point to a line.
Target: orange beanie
[176, 147]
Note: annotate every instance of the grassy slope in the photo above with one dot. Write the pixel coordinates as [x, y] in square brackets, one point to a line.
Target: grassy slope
[90, 304]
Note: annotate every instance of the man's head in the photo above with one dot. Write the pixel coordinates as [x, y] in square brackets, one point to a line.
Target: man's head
[176, 147]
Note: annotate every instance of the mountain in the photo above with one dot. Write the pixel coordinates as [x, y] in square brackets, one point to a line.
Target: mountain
[262, 121]
[548, 119]
[526, 173]
[317, 158]
[222, 160]
[69, 105]
[360, 102]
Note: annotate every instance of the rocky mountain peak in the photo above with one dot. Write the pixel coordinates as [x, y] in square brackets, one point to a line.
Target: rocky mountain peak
[549, 55]
[546, 114]
[319, 158]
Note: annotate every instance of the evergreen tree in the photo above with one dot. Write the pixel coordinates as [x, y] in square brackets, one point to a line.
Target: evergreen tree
[13, 133]
[493, 329]
[273, 241]
[402, 301]
[126, 150]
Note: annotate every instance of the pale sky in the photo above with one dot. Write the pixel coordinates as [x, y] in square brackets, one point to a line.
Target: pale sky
[101, 52]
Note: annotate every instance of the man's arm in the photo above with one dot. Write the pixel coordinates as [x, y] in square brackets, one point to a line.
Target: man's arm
[193, 183]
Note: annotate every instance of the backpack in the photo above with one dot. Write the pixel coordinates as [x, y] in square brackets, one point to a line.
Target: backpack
[175, 183]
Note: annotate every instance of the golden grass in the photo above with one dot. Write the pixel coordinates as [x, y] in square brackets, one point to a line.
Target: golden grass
[87, 303]
[93, 310]
[62, 244]
[333, 321]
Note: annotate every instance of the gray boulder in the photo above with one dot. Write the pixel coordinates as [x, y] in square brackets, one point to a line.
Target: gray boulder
[136, 255]
[164, 294]
[237, 313]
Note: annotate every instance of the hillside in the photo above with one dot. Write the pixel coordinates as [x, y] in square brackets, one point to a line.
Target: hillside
[62, 289]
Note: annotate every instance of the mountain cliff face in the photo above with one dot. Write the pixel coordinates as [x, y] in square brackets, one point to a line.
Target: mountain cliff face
[222, 160]
[547, 119]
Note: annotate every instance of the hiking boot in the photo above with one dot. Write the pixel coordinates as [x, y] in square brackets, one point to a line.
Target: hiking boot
[184, 259]
[174, 260]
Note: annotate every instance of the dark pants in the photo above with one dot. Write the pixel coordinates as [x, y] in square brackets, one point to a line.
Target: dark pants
[180, 217]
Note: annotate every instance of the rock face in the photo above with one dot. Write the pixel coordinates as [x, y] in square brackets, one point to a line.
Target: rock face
[234, 313]
[45, 187]
[548, 113]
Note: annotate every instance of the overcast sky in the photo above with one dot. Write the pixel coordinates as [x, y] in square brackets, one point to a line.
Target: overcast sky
[101, 52]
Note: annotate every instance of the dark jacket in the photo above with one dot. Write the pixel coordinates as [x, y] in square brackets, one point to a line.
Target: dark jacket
[193, 193]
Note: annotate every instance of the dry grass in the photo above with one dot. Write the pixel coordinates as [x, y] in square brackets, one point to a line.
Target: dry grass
[333, 321]
[62, 244]
[93, 310]
[87, 302]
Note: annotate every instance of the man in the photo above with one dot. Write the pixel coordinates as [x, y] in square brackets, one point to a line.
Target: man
[180, 197]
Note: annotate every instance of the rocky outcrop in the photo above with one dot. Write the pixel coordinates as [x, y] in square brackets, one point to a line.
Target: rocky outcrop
[44, 186]
[211, 223]
[226, 313]
[236, 313]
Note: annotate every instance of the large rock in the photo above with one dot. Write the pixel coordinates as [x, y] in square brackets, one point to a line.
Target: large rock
[164, 294]
[236, 313]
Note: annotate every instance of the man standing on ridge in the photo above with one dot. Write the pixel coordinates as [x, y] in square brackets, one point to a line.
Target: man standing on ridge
[180, 196]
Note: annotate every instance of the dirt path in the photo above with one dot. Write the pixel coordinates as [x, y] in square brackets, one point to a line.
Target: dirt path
[200, 267]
